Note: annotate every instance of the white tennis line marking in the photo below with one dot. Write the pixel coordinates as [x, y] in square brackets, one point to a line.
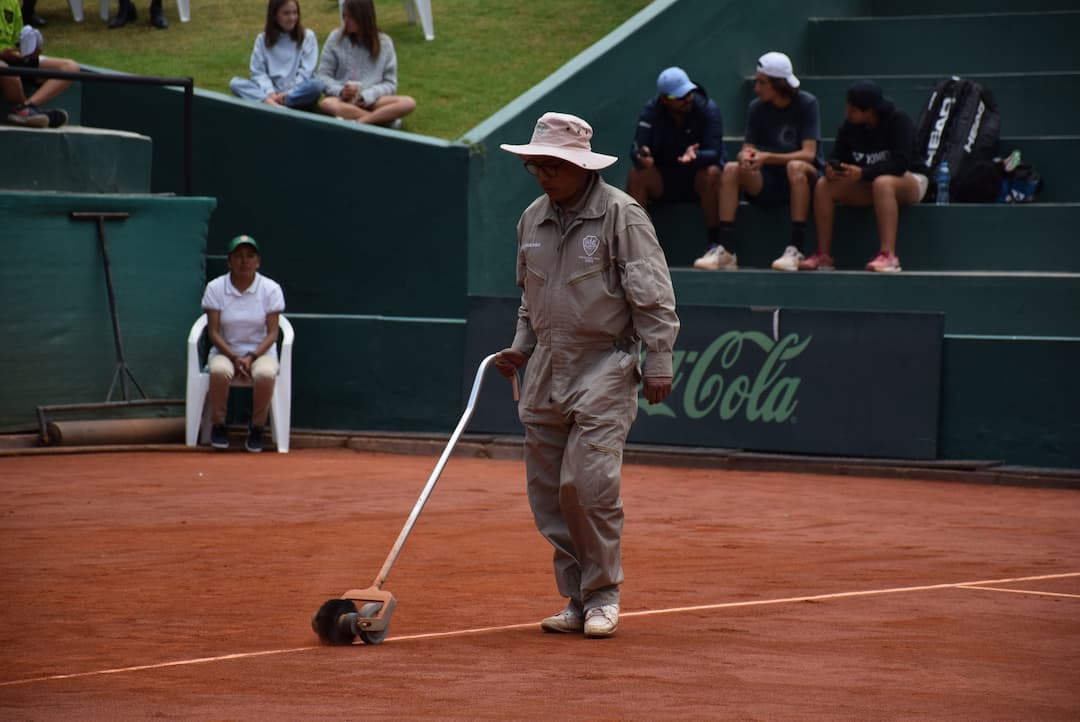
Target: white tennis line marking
[508, 627]
[1021, 591]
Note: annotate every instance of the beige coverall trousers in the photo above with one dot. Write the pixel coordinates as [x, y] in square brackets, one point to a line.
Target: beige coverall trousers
[573, 466]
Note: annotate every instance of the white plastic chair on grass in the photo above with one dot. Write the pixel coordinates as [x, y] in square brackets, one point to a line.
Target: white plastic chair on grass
[414, 8]
[197, 412]
[182, 6]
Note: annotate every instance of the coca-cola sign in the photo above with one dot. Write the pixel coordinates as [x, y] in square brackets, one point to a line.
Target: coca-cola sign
[852, 383]
[706, 383]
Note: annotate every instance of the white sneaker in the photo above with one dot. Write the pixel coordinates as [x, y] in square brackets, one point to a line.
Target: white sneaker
[568, 620]
[717, 258]
[789, 261]
[602, 621]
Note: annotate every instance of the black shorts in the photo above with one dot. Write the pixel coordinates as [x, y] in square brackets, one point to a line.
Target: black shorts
[678, 183]
[775, 189]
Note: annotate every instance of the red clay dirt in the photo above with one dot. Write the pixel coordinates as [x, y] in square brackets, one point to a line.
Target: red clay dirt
[181, 585]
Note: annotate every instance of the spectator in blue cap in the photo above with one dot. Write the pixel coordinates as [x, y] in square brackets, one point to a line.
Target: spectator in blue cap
[678, 148]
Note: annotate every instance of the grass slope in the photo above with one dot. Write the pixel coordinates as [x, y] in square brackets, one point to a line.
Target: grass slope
[485, 52]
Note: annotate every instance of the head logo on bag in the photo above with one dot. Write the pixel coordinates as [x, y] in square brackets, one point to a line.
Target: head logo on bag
[959, 125]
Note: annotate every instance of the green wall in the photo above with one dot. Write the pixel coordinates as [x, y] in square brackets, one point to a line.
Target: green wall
[354, 220]
[57, 324]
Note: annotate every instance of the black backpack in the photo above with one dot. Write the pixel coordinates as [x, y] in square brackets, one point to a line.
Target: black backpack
[960, 124]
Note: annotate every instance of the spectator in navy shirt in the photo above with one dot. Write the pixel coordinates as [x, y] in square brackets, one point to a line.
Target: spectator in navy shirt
[777, 164]
[678, 148]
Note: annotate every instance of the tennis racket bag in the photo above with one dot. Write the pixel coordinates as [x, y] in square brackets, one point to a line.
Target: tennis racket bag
[960, 125]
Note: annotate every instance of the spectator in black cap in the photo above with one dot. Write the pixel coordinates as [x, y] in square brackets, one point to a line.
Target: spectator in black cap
[874, 163]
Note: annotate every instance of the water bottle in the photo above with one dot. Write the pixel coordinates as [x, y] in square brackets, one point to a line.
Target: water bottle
[943, 184]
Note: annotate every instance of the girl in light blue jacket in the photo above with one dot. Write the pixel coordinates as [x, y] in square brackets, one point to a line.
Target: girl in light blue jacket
[283, 61]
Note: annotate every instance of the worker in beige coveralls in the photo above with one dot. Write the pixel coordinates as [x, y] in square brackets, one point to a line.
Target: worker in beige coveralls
[595, 287]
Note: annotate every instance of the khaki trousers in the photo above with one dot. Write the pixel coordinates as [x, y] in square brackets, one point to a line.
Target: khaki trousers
[573, 466]
[263, 373]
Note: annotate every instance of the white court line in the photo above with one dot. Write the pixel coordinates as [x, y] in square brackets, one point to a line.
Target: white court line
[1020, 591]
[480, 630]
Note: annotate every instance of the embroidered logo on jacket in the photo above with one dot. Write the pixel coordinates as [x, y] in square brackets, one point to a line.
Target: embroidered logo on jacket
[590, 244]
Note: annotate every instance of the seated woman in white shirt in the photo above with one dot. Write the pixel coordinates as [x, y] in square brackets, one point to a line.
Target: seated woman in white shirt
[282, 61]
[242, 310]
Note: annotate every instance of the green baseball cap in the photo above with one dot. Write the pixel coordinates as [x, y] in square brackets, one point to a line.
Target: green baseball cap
[241, 240]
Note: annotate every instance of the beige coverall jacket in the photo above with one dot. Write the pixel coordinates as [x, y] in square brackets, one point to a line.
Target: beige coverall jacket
[595, 287]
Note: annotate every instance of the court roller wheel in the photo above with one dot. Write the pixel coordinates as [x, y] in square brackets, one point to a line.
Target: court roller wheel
[335, 622]
[367, 636]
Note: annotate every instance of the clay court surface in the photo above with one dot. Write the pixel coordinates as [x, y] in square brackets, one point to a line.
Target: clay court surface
[177, 585]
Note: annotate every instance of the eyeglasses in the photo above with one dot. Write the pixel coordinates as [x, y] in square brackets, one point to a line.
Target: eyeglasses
[548, 170]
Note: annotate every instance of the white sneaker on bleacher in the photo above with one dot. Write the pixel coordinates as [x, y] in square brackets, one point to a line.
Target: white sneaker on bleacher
[789, 261]
[717, 258]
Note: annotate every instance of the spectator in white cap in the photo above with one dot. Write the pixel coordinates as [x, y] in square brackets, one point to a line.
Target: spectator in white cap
[779, 162]
[595, 289]
[678, 148]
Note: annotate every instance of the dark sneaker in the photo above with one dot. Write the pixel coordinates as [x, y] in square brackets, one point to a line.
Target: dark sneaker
[219, 436]
[254, 439]
[123, 18]
[57, 117]
[28, 115]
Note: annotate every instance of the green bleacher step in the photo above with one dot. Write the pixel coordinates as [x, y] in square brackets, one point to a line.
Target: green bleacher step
[997, 304]
[1055, 157]
[1030, 237]
[1030, 104]
[75, 159]
[936, 7]
[945, 44]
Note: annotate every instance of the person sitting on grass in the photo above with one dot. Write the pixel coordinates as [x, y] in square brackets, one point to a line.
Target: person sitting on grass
[873, 163]
[283, 61]
[358, 70]
[20, 47]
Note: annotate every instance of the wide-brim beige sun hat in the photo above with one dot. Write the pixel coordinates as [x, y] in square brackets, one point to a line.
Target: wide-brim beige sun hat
[560, 135]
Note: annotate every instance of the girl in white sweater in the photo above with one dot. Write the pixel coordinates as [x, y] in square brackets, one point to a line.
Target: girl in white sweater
[358, 70]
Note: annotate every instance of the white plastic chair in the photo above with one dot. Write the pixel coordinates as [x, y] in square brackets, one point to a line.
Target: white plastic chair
[414, 7]
[197, 412]
[182, 6]
[423, 8]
